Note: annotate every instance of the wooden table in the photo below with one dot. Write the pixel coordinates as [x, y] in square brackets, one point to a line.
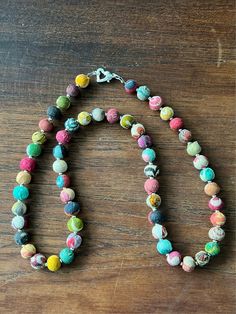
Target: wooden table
[183, 50]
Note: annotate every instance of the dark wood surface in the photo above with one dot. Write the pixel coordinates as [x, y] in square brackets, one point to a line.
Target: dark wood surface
[183, 50]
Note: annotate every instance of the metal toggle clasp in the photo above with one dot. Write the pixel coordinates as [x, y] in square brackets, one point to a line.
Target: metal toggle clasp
[103, 75]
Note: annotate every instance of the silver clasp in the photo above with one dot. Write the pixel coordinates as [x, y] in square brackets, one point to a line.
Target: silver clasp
[103, 75]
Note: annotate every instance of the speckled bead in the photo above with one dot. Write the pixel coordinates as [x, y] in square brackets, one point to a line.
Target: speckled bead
[143, 93]
[212, 248]
[218, 219]
[59, 151]
[67, 195]
[34, 150]
[84, 118]
[63, 181]
[28, 250]
[174, 258]
[200, 162]
[166, 113]
[39, 137]
[144, 141]
[159, 232]
[151, 171]
[20, 192]
[75, 224]
[130, 86]
[23, 177]
[155, 103]
[153, 201]
[28, 164]
[155, 217]
[18, 222]
[112, 115]
[73, 241]
[211, 188]
[137, 130]
[126, 121]
[45, 125]
[151, 186]
[71, 125]
[67, 256]
[148, 155]
[202, 258]
[216, 234]
[176, 124]
[207, 174]
[63, 137]
[53, 263]
[188, 264]
[38, 261]
[98, 114]
[215, 203]
[21, 237]
[193, 148]
[164, 246]
[19, 208]
[63, 103]
[54, 113]
[82, 80]
[72, 90]
[72, 208]
[185, 136]
[59, 166]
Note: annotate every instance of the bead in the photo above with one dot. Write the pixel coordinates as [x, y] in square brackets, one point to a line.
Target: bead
[153, 201]
[59, 166]
[21, 237]
[174, 258]
[151, 186]
[188, 264]
[60, 151]
[18, 222]
[71, 125]
[72, 208]
[218, 219]
[137, 130]
[67, 256]
[28, 250]
[53, 263]
[72, 90]
[73, 241]
[82, 80]
[28, 164]
[155, 103]
[211, 188]
[75, 224]
[23, 177]
[216, 234]
[63, 181]
[215, 203]
[112, 115]
[98, 114]
[164, 246]
[130, 86]
[19, 208]
[39, 137]
[54, 113]
[193, 148]
[63, 103]
[67, 195]
[166, 113]
[38, 261]
[159, 232]
[155, 217]
[126, 121]
[151, 171]
[143, 92]
[200, 162]
[20, 192]
[176, 123]
[63, 137]
[202, 258]
[34, 150]
[148, 155]
[212, 248]
[46, 125]
[144, 141]
[185, 136]
[207, 174]
[84, 118]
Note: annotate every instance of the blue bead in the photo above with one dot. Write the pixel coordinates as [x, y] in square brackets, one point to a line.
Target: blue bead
[71, 208]
[20, 192]
[164, 246]
[143, 92]
[21, 237]
[71, 125]
[156, 217]
[207, 174]
[60, 151]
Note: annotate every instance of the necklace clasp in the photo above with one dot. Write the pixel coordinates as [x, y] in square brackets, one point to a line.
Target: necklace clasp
[102, 75]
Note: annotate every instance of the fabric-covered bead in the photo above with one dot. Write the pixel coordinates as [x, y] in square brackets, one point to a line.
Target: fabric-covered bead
[63, 181]
[46, 125]
[185, 136]
[176, 123]
[38, 261]
[144, 141]
[216, 234]
[215, 203]
[28, 164]
[34, 150]
[174, 258]
[148, 155]
[202, 258]
[153, 201]
[218, 219]
[72, 208]
[112, 115]
[63, 137]
[164, 246]
[71, 125]
[84, 118]
[193, 148]
[155, 103]
[155, 217]
[82, 80]
[188, 264]
[63, 103]
[166, 113]
[53, 263]
[207, 174]
[20, 192]
[19, 208]
[73, 241]
[67, 195]
[126, 121]
[159, 232]
[130, 86]
[54, 113]
[23, 177]
[98, 114]
[151, 171]
[137, 130]
[21, 237]
[18, 222]
[28, 250]
[75, 224]
[59, 166]
[60, 151]
[151, 186]
[211, 188]
[72, 90]
[200, 162]
[39, 137]
[143, 92]
[212, 248]
[67, 256]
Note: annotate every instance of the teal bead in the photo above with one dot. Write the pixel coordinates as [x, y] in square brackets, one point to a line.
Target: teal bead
[60, 151]
[34, 150]
[207, 174]
[212, 248]
[66, 255]
[148, 155]
[71, 125]
[143, 92]
[164, 246]
[20, 192]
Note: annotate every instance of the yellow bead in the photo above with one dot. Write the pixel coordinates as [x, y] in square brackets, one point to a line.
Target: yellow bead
[23, 177]
[166, 113]
[84, 118]
[53, 263]
[82, 80]
[39, 137]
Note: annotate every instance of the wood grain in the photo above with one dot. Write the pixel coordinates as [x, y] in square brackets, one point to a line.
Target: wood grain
[184, 50]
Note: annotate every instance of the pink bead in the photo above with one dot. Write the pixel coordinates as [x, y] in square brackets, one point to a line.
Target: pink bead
[67, 195]
[28, 164]
[144, 141]
[63, 137]
[45, 125]
[112, 115]
[155, 102]
[215, 203]
[174, 258]
[151, 186]
[176, 123]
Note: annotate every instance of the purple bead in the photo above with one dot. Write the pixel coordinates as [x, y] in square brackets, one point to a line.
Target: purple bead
[144, 141]
[72, 90]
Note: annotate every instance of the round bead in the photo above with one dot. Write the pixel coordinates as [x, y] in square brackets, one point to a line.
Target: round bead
[71, 125]
[18, 222]
[149, 155]
[98, 114]
[23, 177]
[176, 123]
[174, 258]
[212, 248]
[63, 137]
[153, 201]
[137, 130]
[188, 264]
[19, 208]
[73, 241]
[130, 86]
[53, 263]
[67, 195]
[155, 217]
[54, 113]
[164, 246]
[21, 237]
[143, 92]
[155, 103]
[193, 148]
[67, 256]
[151, 186]
[20, 192]
[216, 234]
[202, 258]
[72, 90]
[112, 115]
[63, 181]
[159, 232]
[46, 125]
[200, 162]
[211, 188]
[63, 103]
[28, 164]
[126, 121]
[151, 171]
[75, 224]
[34, 150]
[144, 141]
[207, 174]
[39, 137]
[166, 113]
[38, 261]
[84, 118]
[217, 219]
[72, 208]
[28, 250]
[60, 151]
[215, 203]
[185, 136]
[59, 166]
[82, 80]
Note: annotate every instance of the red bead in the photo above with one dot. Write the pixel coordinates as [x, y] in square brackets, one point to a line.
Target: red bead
[176, 123]
[28, 164]
[45, 125]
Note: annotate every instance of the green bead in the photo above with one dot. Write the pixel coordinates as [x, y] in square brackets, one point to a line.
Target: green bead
[66, 255]
[75, 224]
[126, 121]
[212, 248]
[39, 137]
[19, 208]
[63, 102]
[193, 148]
[34, 150]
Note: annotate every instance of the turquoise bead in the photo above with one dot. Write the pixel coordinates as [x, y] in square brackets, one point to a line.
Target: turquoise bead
[71, 125]
[20, 192]
[66, 255]
[207, 174]
[148, 155]
[164, 246]
[143, 92]
[59, 151]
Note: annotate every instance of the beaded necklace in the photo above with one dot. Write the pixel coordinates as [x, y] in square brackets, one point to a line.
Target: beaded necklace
[151, 171]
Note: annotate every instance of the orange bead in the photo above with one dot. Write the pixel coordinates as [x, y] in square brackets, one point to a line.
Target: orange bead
[211, 188]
